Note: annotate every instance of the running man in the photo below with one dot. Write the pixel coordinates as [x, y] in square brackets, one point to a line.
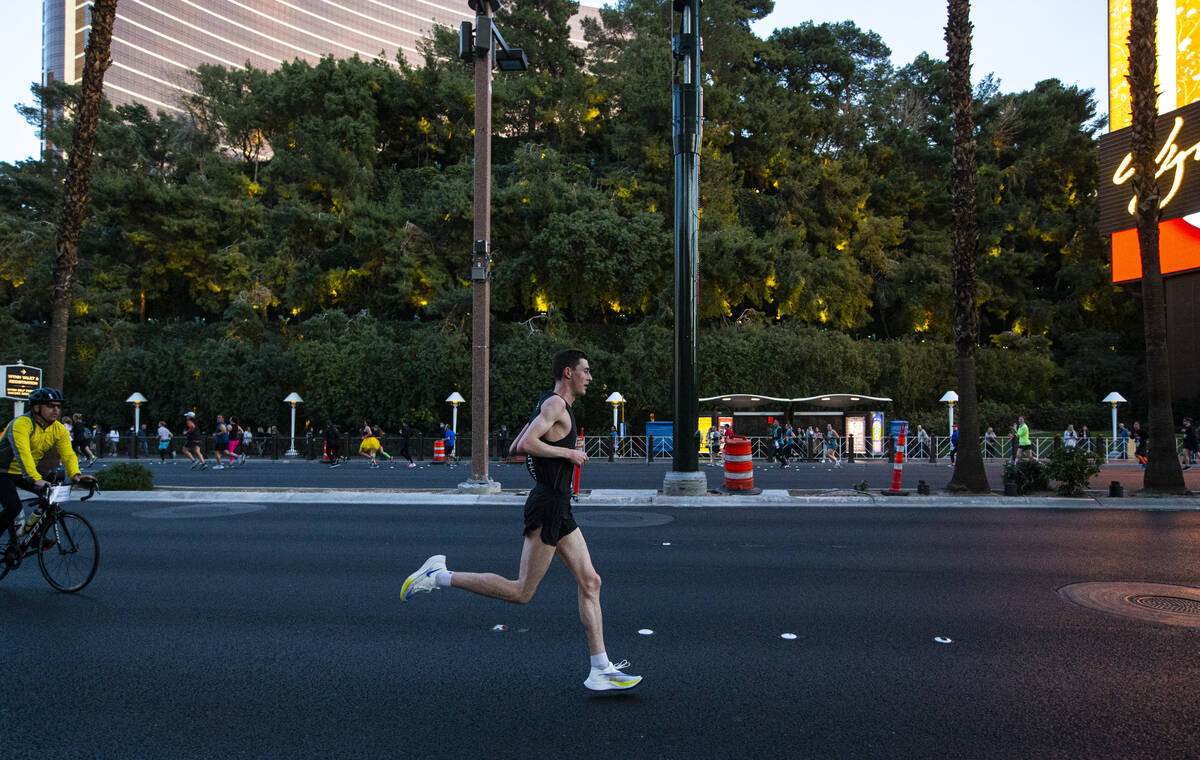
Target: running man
[405, 434]
[221, 442]
[193, 442]
[550, 529]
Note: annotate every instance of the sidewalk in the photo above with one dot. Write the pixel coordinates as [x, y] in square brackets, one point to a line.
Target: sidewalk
[649, 498]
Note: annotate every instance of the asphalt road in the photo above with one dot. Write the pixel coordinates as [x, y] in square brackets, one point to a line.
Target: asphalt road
[597, 474]
[261, 631]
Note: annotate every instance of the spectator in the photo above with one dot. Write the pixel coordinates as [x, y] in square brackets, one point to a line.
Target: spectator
[1085, 438]
[991, 443]
[1141, 444]
[1070, 437]
[923, 442]
[1189, 443]
[1122, 441]
[114, 438]
[953, 445]
[503, 435]
[143, 440]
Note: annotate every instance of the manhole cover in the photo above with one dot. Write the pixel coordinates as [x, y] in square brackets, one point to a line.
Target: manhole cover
[1157, 602]
[621, 519]
[1167, 604]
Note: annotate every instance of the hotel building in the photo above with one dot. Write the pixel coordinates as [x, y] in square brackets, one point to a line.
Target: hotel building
[157, 42]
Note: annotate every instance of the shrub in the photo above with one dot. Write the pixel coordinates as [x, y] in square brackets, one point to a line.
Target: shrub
[1073, 468]
[1028, 474]
[125, 476]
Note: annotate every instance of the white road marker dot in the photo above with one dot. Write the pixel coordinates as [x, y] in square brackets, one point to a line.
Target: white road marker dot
[943, 639]
[788, 636]
[666, 543]
[646, 632]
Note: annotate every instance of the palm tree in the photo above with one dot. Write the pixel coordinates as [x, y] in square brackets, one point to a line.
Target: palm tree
[78, 183]
[969, 473]
[1163, 473]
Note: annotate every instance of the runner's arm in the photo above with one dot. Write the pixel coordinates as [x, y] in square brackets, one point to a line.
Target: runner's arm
[530, 440]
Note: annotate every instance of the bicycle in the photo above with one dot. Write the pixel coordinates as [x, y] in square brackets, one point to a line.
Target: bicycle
[64, 542]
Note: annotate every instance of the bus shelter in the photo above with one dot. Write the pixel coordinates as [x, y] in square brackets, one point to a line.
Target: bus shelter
[852, 414]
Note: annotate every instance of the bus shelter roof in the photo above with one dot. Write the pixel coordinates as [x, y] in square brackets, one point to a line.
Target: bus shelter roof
[825, 400]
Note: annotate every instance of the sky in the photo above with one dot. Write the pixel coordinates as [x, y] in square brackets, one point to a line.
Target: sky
[1020, 41]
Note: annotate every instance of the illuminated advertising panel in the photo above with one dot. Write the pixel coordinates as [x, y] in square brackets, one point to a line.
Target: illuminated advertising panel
[1178, 132]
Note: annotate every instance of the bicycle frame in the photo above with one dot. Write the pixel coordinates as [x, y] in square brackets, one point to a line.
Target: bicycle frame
[53, 523]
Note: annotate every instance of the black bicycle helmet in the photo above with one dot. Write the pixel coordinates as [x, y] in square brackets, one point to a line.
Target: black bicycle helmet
[45, 396]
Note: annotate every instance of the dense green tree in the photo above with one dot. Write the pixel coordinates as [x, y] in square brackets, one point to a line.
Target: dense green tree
[317, 218]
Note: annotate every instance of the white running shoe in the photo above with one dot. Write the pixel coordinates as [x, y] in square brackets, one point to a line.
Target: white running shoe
[611, 678]
[423, 579]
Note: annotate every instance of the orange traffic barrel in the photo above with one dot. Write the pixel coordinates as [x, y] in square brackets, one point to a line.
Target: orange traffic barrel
[739, 465]
[898, 463]
[439, 451]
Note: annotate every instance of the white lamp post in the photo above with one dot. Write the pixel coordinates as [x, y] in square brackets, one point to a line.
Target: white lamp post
[454, 399]
[137, 400]
[293, 398]
[616, 399]
[1114, 398]
[950, 398]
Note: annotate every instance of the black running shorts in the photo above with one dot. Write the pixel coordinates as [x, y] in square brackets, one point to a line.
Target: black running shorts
[551, 512]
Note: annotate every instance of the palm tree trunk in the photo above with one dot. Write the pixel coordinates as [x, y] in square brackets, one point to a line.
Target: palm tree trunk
[1163, 473]
[969, 472]
[78, 183]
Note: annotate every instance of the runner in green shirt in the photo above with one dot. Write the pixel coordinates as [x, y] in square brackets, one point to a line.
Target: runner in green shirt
[1024, 445]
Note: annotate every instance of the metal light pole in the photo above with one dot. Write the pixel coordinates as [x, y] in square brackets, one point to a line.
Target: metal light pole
[137, 400]
[1114, 398]
[487, 47]
[293, 398]
[950, 398]
[685, 479]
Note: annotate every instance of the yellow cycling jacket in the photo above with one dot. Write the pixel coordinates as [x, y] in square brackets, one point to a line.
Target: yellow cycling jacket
[25, 443]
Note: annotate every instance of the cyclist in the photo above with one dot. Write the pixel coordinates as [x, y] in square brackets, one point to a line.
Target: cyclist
[25, 441]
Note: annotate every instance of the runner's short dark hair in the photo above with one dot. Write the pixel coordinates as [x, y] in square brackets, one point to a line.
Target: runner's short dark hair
[567, 358]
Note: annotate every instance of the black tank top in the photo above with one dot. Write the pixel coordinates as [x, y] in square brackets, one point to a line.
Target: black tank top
[553, 474]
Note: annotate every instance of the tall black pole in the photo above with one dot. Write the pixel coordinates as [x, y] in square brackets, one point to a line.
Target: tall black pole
[685, 477]
[481, 255]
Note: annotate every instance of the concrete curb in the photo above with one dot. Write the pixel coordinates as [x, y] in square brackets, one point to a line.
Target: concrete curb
[649, 498]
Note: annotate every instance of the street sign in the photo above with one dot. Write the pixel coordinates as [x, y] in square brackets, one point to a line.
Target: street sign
[19, 380]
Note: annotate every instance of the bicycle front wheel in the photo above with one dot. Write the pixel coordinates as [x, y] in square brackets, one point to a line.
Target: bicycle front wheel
[68, 553]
